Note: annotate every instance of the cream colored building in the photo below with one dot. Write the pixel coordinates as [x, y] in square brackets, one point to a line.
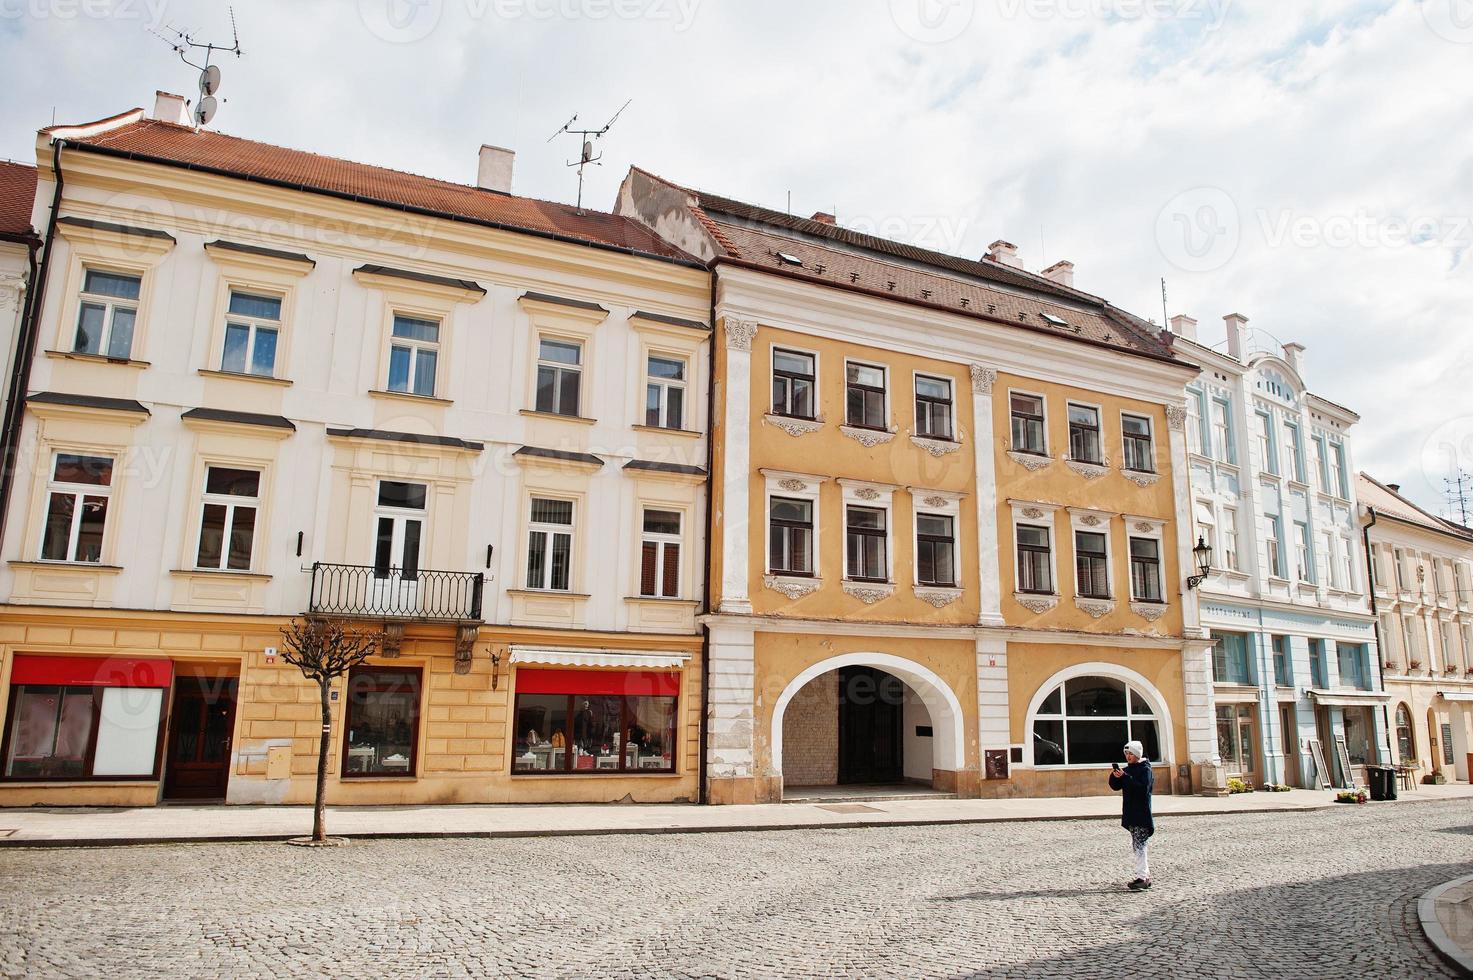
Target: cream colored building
[1422, 574]
[269, 383]
[947, 507]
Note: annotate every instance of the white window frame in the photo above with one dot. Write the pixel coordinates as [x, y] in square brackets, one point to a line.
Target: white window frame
[231, 503]
[109, 304]
[78, 492]
[1035, 514]
[1304, 563]
[561, 369]
[415, 348]
[1223, 449]
[570, 530]
[662, 541]
[1232, 557]
[794, 486]
[664, 384]
[1273, 541]
[253, 325]
[937, 503]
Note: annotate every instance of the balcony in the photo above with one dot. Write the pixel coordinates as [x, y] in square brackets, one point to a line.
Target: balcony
[369, 592]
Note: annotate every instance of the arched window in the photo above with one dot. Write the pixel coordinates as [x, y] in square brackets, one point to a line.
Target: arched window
[1406, 744]
[1086, 720]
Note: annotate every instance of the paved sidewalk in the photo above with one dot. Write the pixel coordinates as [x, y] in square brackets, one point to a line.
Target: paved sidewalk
[1446, 913]
[100, 826]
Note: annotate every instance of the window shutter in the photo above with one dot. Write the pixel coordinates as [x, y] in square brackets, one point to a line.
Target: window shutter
[672, 570]
[647, 567]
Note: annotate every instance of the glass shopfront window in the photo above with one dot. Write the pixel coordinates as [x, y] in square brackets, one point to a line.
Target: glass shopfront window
[594, 722]
[383, 721]
[1358, 735]
[80, 718]
[1086, 720]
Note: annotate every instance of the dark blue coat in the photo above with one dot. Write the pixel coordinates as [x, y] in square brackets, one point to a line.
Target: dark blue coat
[1135, 782]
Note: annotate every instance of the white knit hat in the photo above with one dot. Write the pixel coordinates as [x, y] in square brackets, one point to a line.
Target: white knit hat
[1136, 749]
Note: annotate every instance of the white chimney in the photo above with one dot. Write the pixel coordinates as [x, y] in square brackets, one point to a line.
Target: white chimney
[1237, 334]
[1184, 326]
[1004, 253]
[170, 108]
[1061, 272]
[494, 173]
[1294, 354]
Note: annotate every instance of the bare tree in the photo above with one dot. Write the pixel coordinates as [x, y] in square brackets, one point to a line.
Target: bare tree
[324, 650]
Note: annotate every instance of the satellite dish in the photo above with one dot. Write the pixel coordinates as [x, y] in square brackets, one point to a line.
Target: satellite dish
[206, 109]
[209, 80]
[587, 151]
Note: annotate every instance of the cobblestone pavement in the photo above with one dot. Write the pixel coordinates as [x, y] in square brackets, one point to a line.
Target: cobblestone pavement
[1328, 894]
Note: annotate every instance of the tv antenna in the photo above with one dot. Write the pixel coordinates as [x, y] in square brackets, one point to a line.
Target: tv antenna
[185, 45]
[1457, 489]
[589, 135]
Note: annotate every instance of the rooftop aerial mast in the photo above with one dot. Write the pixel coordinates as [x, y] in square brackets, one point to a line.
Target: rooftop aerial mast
[589, 135]
[184, 44]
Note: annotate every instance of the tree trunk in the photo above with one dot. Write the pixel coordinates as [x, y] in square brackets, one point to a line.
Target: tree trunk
[319, 831]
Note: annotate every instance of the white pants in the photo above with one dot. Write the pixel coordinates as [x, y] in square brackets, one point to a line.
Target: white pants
[1139, 842]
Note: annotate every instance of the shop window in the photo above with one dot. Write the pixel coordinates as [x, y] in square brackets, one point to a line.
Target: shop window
[595, 722]
[1358, 735]
[1406, 741]
[933, 407]
[1236, 742]
[1085, 721]
[76, 510]
[80, 718]
[382, 722]
[107, 314]
[1230, 663]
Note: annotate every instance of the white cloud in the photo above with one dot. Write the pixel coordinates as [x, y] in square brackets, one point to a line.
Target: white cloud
[1062, 125]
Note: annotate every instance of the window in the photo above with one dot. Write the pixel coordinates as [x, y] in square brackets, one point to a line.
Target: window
[935, 550]
[252, 324]
[1326, 559]
[791, 536]
[1275, 547]
[595, 723]
[1091, 565]
[865, 396]
[1222, 431]
[792, 384]
[1318, 667]
[550, 545]
[1136, 432]
[933, 407]
[864, 543]
[1085, 721]
[1322, 463]
[413, 354]
[1230, 537]
[664, 402]
[72, 718]
[1283, 665]
[1266, 457]
[227, 528]
[1337, 456]
[559, 375]
[76, 510]
[382, 722]
[1406, 742]
[1084, 434]
[107, 314]
[1145, 569]
[1027, 413]
[1401, 572]
[1353, 668]
[1230, 662]
[1235, 738]
[401, 516]
[1410, 632]
[1302, 546]
[1357, 735]
[1198, 438]
[1293, 453]
[1035, 560]
[659, 558]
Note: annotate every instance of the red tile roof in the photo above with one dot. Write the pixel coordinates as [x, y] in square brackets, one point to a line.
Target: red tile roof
[17, 195]
[175, 145]
[1371, 492]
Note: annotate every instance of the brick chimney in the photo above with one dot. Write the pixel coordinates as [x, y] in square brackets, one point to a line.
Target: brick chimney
[1061, 272]
[494, 171]
[1004, 253]
[824, 218]
[1237, 334]
[1184, 326]
[170, 108]
[1294, 354]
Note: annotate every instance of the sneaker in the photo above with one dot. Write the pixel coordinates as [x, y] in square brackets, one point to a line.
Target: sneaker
[1140, 884]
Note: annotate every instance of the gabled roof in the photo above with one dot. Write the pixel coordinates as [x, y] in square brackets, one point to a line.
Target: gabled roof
[1386, 501]
[17, 195]
[839, 257]
[181, 146]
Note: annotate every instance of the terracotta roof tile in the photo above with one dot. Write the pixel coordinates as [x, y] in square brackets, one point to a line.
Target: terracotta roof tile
[1371, 492]
[17, 195]
[176, 145]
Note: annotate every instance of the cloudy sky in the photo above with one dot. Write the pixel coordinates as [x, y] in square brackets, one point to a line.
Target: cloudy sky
[1308, 164]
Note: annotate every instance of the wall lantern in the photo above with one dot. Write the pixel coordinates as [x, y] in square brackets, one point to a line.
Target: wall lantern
[1203, 554]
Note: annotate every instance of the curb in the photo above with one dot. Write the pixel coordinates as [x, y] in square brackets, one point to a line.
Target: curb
[42, 842]
[1456, 956]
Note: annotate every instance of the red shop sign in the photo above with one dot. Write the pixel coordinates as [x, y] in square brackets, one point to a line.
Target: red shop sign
[650, 683]
[91, 671]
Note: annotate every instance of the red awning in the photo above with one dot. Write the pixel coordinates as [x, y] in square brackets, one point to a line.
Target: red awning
[635, 682]
[91, 671]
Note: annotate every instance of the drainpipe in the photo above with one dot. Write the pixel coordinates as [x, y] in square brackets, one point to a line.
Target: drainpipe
[25, 349]
[1365, 533]
[706, 568]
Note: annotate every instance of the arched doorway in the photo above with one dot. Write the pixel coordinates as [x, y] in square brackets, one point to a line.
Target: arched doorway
[866, 719]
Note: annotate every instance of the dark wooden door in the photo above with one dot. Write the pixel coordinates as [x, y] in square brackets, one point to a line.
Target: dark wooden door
[871, 709]
[200, 727]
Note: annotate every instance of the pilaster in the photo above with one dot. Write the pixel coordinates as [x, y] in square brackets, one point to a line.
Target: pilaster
[737, 455]
[989, 568]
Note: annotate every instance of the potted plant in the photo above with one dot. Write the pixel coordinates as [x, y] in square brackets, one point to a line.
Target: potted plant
[1236, 785]
[1352, 796]
[1415, 665]
[1390, 665]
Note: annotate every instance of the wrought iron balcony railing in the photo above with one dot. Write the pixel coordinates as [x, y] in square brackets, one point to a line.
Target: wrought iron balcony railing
[396, 593]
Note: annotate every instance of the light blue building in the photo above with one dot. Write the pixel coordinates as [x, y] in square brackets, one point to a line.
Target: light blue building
[1297, 686]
